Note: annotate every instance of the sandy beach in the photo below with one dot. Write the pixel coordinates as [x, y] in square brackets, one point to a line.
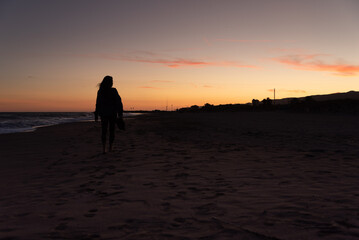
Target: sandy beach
[185, 176]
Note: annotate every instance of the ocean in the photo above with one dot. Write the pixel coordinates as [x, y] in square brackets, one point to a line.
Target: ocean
[11, 122]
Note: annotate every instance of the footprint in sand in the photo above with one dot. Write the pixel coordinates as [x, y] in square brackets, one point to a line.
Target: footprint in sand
[150, 184]
[166, 206]
[171, 185]
[6, 230]
[22, 214]
[91, 213]
[209, 209]
[60, 203]
[67, 219]
[181, 175]
[61, 226]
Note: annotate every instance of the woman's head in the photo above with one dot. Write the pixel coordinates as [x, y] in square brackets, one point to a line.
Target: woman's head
[106, 83]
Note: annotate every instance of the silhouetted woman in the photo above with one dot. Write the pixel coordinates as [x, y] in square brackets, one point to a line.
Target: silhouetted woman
[109, 108]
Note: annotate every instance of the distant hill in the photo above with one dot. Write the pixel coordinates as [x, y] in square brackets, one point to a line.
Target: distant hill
[329, 103]
[334, 96]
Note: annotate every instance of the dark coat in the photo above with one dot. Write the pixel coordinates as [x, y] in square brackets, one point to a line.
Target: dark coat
[108, 103]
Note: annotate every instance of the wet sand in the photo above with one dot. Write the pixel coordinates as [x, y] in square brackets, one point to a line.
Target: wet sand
[185, 176]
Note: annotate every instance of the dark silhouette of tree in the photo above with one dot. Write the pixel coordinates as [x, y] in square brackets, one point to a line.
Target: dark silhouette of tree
[194, 108]
[208, 107]
[255, 102]
[267, 102]
[304, 105]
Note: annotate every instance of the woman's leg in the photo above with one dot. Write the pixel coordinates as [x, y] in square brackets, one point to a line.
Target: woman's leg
[112, 122]
[104, 124]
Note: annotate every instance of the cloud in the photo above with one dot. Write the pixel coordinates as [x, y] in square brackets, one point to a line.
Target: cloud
[172, 62]
[142, 52]
[241, 40]
[312, 62]
[105, 56]
[161, 81]
[149, 87]
[182, 62]
[201, 86]
[232, 40]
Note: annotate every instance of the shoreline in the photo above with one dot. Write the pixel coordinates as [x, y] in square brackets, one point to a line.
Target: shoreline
[184, 176]
[31, 128]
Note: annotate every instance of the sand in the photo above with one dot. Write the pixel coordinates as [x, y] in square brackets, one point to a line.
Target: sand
[185, 176]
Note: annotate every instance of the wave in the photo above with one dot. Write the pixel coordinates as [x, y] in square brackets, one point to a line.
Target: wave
[25, 122]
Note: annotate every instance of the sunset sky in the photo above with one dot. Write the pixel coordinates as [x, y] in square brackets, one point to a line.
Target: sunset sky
[54, 53]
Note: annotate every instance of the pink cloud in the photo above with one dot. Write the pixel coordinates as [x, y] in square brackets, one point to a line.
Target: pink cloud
[173, 63]
[181, 62]
[207, 86]
[311, 62]
[150, 57]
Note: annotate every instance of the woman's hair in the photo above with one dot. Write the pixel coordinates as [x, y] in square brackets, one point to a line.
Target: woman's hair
[106, 83]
